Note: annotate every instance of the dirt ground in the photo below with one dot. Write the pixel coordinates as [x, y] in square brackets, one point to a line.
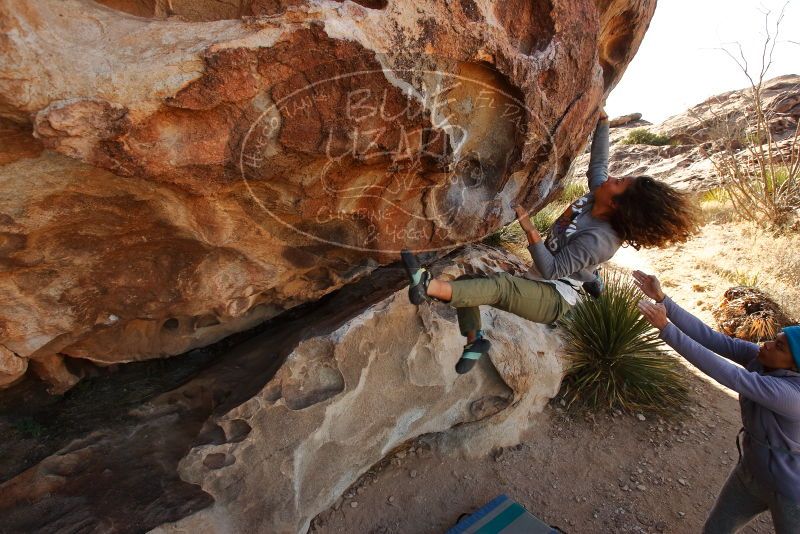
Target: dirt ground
[609, 472]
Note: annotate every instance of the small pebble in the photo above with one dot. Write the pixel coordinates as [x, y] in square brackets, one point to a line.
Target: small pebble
[413, 473]
[641, 417]
[391, 499]
[353, 504]
[682, 481]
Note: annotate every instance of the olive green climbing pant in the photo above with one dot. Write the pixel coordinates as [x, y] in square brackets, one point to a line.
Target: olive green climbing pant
[536, 301]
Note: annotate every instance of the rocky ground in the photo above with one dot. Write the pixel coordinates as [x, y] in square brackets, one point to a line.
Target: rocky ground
[603, 472]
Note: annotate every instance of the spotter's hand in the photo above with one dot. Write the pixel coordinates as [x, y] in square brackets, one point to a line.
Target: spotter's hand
[649, 285]
[656, 314]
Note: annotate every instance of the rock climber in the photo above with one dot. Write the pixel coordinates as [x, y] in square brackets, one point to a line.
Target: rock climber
[767, 476]
[637, 210]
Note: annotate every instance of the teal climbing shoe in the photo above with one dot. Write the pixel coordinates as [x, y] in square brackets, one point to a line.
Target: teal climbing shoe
[472, 353]
[418, 276]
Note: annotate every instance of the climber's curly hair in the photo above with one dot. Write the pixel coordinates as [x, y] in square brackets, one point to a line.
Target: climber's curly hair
[653, 214]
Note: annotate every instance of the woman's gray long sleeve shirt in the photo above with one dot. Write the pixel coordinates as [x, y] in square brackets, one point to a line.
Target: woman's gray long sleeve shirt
[769, 399]
[577, 242]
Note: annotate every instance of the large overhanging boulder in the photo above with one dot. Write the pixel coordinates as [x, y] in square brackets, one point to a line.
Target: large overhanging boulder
[220, 162]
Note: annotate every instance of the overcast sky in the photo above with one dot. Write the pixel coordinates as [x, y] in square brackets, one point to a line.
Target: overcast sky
[679, 65]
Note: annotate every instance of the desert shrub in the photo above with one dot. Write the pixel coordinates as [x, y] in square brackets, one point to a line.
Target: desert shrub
[642, 136]
[760, 172]
[749, 313]
[759, 190]
[616, 357]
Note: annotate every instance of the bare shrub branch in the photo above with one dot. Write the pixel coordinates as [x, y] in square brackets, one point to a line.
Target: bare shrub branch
[760, 172]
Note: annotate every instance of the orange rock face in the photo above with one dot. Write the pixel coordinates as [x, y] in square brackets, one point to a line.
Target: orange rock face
[174, 172]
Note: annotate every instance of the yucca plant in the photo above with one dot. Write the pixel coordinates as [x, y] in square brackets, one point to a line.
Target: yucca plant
[617, 360]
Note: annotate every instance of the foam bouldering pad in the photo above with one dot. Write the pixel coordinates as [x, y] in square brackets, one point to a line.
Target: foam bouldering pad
[502, 516]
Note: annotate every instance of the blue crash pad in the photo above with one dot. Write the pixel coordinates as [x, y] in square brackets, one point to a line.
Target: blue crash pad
[502, 516]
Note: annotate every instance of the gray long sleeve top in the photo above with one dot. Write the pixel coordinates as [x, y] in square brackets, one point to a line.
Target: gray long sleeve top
[577, 242]
[769, 400]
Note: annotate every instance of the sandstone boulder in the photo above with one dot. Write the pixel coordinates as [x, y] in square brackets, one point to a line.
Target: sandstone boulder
[209, 164]
[625, 119]
[12, 367]
[732, 113]
[278, 427]
[342, 401]
[722, 122]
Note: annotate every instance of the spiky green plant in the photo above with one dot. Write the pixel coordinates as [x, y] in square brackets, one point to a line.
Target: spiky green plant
[642, 136]
[546, 216]
[573, 190]
[616, 358]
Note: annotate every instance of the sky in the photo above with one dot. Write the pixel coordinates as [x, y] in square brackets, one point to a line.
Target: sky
[680, 64]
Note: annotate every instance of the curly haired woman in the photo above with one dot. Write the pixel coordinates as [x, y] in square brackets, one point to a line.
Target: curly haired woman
[634, 210]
